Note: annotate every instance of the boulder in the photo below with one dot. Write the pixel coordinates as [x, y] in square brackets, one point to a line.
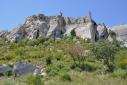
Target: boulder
[4, 69]
[39, 72]
[21, 69]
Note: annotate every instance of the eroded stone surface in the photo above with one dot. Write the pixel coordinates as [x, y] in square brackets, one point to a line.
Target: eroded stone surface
[102, 31]
[58, 26]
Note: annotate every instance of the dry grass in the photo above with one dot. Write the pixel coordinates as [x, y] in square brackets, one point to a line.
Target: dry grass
[78, 78]
[85, 78]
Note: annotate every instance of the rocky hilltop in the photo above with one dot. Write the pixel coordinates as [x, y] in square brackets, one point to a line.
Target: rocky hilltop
[58, 26]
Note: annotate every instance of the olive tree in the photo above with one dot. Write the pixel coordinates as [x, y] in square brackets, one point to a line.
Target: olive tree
[77, 51]
[105, 52]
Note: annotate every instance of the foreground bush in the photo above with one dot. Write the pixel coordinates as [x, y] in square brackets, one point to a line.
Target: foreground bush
[65, 76]
[34, 80]
[121, 59]
[77, 53]
[105, 52]
[52, 70]
[120, 73]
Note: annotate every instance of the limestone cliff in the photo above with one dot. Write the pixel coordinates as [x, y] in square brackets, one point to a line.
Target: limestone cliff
[58, 26]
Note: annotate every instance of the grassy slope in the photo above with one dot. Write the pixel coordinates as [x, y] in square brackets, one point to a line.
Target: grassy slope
[38, 52]
[83, 78]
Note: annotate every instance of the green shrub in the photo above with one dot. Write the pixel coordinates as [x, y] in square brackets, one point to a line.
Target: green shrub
[23, 42]
[34, 80]
[8, 56]
[48, 60]
[52, 70]
[121, 59]
[78, 69]
[17, 58]
[41, 40]
[112, 34]
[73, 65]
[105, 52]
[58, 55]
[20, 53]
[76, 52]
[35, 54]
[9, 73]
[89, 67]
[65, 77]
[30, 43]
[123, 64]
[73, 33]
[56, 67]
[59, 64]
[120, 73]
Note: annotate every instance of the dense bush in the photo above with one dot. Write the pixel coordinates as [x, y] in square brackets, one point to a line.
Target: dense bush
[34, 80]
[52, 70]
[120, 73]
[121, 59]
[48, 60]
[3, 42]
[105, 51]
[89, 67]
[73, 65]
[77, 52]
[23, 42]
[65, 76]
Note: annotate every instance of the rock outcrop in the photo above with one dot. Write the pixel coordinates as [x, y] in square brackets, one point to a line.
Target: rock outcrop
[84, 27]
[39, 25]
[3, 34]
[58, 26]
[102, 31]
[121, 33]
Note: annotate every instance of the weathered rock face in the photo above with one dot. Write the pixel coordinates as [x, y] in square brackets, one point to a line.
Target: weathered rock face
[58, 26]
[121, 33]
[3, 34]
[17, 34]
[84, 27]
[39, 25]
[102, 31]
[36, 26]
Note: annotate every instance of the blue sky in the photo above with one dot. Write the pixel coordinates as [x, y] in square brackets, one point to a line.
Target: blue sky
[14, 12]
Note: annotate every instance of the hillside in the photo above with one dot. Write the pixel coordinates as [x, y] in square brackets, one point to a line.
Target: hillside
[58, 50]
[57, 27]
